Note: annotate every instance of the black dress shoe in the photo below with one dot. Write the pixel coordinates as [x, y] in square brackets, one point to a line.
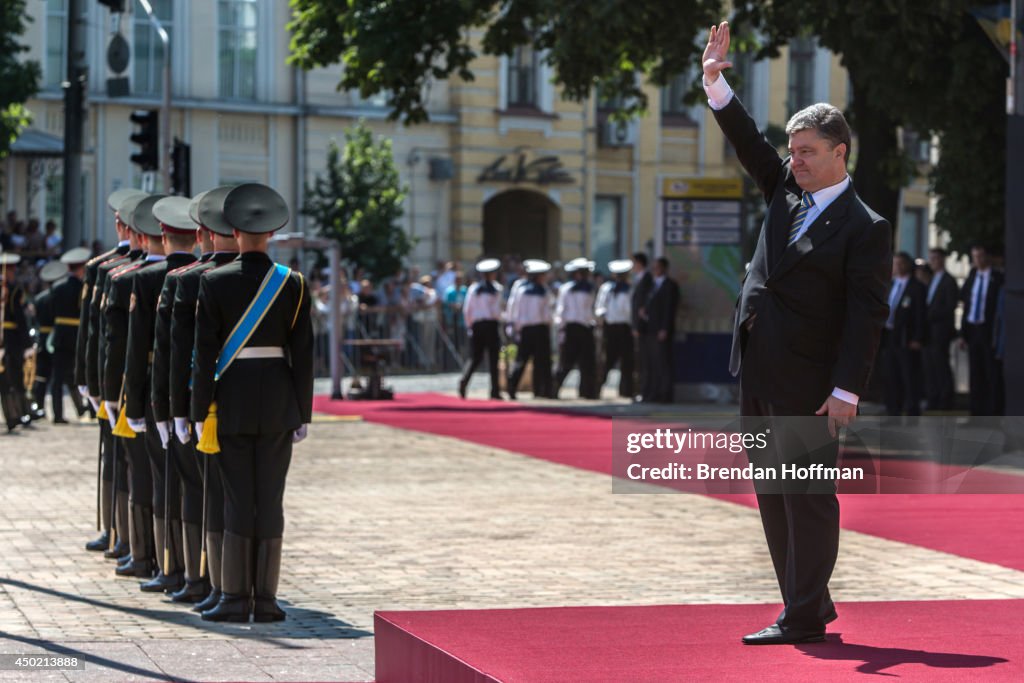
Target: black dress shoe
[776, 635]
[164, 583]
[265, 610]
[100, 543]
[209, 602]
[192, 592]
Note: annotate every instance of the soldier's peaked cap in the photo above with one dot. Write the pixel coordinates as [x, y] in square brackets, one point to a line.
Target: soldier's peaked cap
[143, 219]
[126, 208]
[75, 256]
[117, 197]
[172, 212]
[211, 210]
[255, 208]
[193, 207]
[53, 271]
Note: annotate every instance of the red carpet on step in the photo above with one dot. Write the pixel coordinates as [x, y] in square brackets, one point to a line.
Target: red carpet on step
[915, 641]
[985, 527]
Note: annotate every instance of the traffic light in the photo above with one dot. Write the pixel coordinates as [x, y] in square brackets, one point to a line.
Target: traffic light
[181, 169]
[147, 138]
[116, 6]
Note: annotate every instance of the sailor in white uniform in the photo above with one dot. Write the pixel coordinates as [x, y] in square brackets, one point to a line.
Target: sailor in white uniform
[482, 313]
[529, 317]
[614, 309]
[574, 316]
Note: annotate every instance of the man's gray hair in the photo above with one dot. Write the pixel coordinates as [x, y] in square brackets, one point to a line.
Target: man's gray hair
[828, 121]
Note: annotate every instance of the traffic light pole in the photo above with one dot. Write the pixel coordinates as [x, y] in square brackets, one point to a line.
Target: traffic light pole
[165, 107]
[74, 115]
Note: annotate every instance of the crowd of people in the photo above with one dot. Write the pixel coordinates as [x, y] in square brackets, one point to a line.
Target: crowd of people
[921, 332]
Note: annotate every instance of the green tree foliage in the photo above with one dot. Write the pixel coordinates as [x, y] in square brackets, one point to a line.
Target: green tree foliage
[19, 80]
[919, 64]
[358, 202]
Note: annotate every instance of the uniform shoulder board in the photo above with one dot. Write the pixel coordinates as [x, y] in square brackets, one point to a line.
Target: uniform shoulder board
[181, 269]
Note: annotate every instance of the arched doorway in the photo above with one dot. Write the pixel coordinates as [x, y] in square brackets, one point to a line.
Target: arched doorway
[521, 223]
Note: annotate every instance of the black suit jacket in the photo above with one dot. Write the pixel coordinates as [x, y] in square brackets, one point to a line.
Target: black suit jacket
[67, 299]
[641, 292]
[259, 396]
[942, 311]
[661, 307]
[821, 302]
[910, 322]
[96, 344]
[995, 283]
[85, 311]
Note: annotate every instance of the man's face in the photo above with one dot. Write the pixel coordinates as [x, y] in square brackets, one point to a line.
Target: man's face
[900, 267]
[979, 257]
[659, 269]
[816, 164]
[936, 261]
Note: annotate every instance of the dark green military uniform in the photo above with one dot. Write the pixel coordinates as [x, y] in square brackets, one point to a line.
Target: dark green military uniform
[262, 400]
[16, 341]
[62, 341]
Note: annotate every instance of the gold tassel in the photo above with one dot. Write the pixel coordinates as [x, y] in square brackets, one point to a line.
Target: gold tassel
[121, 428]
[102, 413]
[208, 443]
[202, 564]
[167, 557]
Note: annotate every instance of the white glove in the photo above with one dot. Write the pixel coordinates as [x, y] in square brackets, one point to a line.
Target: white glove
[95, 403]
[83, 391]
[138, 426]
[111, 412]
[199, 431]
[181, 429]
[300, 433]
[165, 432]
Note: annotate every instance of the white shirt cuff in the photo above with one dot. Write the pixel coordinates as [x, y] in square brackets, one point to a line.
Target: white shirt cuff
[719, 93]
[844, 395]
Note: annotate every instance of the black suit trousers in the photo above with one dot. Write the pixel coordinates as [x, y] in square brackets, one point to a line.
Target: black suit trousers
[904, 384]
[659, 377]
[986, 383]
[938, 373]
[800, 520]
[534, 343]
[485, 340]
[253, 471]
[578, 349]
[618, 349]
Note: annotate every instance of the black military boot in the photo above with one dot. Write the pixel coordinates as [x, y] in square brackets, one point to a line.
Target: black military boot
[102, 542]
[196, 587]
[169, 578]
[214, 548]
[122, 525]
[268, 572]
[236, 581]
[141, 538]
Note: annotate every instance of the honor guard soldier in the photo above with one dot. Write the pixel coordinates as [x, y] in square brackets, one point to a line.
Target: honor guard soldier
[87, 346]
[529, 316]
[482, 310]
[67, 305]
[614, 308]
[252, 389]
[117, 314]
[171, 236]
[574, 316]
[15, 345]
[42, 304]
[179, 237]
[219, 247]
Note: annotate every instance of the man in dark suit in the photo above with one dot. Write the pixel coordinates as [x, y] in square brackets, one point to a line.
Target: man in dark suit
[903, 338]
[642, 282]
[806, 331]
[980, 294]
[659, 318]
[942, 298]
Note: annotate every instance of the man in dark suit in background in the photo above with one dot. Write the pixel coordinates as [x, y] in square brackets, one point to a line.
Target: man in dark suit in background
[903, 338]
[941, 300]
[642, 282]
[980, 294]
[659, 316]
[806, 331]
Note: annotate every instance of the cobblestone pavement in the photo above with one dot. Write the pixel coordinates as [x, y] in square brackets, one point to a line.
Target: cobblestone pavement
[379, 518]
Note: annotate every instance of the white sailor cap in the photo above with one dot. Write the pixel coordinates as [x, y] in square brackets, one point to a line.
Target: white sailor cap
[580, 263]
[488, 265]
[536, 265]
[619, 266]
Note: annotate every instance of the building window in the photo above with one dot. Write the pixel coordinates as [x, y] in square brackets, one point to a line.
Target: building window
[56, 42]
[913, 236]
[238, 23]
[522, 77]
[148, 53]
[917, 147]
[606, 231]
[801, 74]
[675, 112]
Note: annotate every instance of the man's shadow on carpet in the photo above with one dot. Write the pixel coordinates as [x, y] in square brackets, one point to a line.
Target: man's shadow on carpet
[876, 659]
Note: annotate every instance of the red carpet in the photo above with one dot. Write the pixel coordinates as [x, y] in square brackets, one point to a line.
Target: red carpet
[915, 641]
[986, 527]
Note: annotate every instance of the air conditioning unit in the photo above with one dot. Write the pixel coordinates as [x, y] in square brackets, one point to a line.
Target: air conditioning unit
[618, 133]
